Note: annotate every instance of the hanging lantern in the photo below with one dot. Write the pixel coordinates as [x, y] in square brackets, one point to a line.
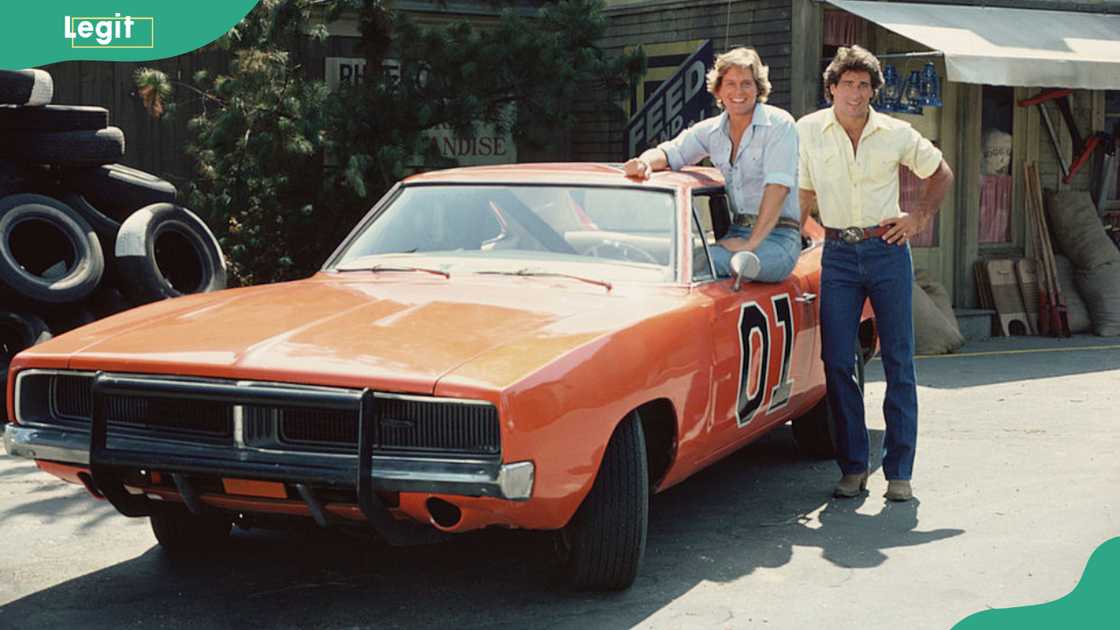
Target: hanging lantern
[912, 94]
[931, 86]
[890, 92]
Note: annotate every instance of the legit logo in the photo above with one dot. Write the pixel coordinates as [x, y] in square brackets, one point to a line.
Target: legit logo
[111, 32]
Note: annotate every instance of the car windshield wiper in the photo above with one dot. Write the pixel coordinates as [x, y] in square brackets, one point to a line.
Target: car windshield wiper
[527, 272]
[437, 272]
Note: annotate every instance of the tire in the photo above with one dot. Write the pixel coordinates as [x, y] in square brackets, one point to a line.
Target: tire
[18, 331]
[815, 432]
[601, 547]
[12, 178]
[164, 251]
[178, 530]
[63, 320]
[106, 301]
[118, 190]
[103, 226]
[26, 87]
[54, 118]
[65, 148]
[37, 235]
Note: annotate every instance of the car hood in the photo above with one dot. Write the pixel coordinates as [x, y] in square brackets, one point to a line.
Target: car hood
[395, 330]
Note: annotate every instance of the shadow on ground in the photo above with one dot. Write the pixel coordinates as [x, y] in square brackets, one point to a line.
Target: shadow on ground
[746, 512]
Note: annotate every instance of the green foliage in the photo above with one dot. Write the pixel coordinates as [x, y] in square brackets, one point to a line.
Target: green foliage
[154, 89]
[286, 168]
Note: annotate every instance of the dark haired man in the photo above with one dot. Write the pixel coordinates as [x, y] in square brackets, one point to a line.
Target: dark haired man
[849, 159]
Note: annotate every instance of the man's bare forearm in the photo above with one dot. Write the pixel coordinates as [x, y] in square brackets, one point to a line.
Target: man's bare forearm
[933, 191]
[769, 210]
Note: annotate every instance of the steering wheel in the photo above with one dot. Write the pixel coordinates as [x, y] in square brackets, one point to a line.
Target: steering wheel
[619, 250]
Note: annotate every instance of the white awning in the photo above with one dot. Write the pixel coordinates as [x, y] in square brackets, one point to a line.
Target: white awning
[1018, 47]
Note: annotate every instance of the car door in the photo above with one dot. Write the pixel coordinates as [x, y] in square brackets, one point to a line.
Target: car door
[764, 341]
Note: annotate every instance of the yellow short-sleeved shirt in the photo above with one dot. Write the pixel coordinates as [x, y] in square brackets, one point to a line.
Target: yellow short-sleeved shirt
[859, 189]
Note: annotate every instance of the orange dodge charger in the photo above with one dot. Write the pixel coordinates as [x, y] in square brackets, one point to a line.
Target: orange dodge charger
[531, 346]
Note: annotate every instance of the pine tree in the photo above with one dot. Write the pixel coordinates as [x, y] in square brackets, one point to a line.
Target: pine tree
[285, 167]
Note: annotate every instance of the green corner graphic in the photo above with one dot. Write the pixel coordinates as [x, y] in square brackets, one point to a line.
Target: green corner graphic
[1093, 603]
[49, 31]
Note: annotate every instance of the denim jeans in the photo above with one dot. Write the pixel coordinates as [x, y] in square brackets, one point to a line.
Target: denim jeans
[777, 253]
[884, 273]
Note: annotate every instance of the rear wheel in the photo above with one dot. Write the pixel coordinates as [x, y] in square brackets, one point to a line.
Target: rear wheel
[177, 529]
[601, 548]
[815, 432]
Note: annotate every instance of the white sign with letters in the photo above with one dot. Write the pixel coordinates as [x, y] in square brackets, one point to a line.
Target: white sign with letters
[487, 146]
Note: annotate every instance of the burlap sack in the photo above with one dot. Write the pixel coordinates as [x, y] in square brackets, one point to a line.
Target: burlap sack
[936, 291]
[934, 333]
[1076, 311]
[1077, 230]
[1100, 289]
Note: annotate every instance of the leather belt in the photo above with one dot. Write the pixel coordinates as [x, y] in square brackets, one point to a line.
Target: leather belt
[854, 235]
[748, 220]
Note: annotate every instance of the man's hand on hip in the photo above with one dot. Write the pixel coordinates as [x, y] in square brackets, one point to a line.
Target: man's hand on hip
[903, 228]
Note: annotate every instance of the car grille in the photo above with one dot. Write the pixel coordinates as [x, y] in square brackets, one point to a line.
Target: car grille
[72, 397]
[408, 424]
[306, 427]
[160, 415]
[402, 425]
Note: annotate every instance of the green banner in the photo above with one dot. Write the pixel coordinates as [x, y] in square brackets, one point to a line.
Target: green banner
[1092, 604]
[46, 31]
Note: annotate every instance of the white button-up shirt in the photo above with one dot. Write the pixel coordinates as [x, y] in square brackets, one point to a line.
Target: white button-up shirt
[767, 154]
[860, 188]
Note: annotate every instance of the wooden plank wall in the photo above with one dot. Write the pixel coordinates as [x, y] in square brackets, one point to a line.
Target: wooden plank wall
[761, 24]
[158, 146]
[155, 146]
[1049, 169]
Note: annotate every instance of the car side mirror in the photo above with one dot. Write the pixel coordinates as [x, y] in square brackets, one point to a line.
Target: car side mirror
[744, 266]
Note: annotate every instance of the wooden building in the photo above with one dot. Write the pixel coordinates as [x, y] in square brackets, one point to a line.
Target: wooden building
[989, 55]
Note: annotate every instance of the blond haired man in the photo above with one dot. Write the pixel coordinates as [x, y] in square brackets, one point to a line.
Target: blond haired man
[850, 156]
[754, 145]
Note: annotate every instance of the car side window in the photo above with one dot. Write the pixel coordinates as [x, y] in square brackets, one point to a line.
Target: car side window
[714, 212]
[701, 265]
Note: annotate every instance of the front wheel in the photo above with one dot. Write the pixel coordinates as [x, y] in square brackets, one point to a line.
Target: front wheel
[177, 529]
[601, 547]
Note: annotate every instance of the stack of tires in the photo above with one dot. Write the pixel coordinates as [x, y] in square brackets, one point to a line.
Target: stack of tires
[82, 237]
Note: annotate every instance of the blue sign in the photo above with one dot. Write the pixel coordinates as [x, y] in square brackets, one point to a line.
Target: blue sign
[680, 101]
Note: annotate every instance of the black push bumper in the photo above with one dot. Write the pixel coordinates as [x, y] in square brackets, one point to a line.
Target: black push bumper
[108, 456]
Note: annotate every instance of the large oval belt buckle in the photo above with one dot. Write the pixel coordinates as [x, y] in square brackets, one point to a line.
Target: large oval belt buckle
[852, 235]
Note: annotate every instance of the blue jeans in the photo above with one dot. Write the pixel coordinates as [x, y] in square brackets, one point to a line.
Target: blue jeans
[884, 273]
[777, 253]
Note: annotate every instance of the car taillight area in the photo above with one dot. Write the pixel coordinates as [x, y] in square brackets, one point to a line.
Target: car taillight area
[210, 412]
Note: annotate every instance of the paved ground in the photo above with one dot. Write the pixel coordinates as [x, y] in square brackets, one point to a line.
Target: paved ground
[1016, 480]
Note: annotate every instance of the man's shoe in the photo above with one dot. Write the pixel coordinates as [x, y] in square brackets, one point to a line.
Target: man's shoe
[899, 490]
[851, 485]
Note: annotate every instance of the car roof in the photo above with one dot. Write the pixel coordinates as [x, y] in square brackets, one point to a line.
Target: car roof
[571, 173]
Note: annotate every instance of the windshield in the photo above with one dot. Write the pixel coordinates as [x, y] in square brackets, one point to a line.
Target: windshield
[610, 233]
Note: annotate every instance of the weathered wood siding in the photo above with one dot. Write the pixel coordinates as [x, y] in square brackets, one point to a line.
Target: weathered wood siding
[761, 24]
